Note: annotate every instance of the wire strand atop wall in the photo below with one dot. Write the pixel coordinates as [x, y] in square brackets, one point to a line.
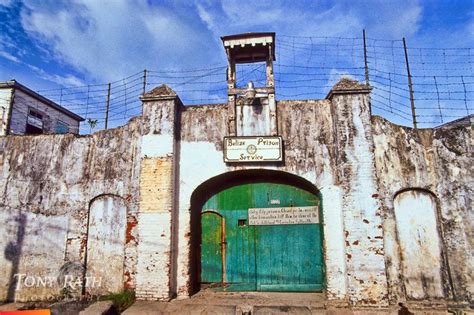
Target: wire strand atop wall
[305, 68]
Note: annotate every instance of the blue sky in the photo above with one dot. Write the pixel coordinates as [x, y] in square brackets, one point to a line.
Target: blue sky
[52, 44]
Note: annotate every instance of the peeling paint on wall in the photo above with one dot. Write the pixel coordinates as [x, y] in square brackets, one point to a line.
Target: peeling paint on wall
[420, 247]
[436, 160]
[156, 162]
[105, 245]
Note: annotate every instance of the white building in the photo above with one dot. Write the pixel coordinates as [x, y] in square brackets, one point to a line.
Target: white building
[24, 111]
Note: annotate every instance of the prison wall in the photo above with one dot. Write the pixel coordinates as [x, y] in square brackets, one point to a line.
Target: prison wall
[329, 144]
[48, 184]
[426, 164]
[63, 193]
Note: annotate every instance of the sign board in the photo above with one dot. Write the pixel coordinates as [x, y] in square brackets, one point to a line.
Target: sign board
[284, 215]
[253, 149]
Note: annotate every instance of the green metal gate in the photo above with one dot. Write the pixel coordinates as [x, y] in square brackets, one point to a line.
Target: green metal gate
[269, 257]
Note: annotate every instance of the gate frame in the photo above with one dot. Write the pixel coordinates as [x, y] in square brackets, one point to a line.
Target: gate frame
[223, 242]
[226, 180]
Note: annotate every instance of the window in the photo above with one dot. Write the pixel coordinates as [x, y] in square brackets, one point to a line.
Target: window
[62, 127]
[34, 122]
[35, 113]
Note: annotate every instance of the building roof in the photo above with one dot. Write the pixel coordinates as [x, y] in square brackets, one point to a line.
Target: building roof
[160, 91]
[15, 85]
[249, 47]
[348, 85]
[248, 35]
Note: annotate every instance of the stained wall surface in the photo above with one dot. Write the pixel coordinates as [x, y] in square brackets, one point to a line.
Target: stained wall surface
[438, 162]
[106, 244]
[156, 163]
[420, 247]
[48, 182]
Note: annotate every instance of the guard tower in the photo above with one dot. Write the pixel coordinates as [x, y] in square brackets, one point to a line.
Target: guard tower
[252, 110]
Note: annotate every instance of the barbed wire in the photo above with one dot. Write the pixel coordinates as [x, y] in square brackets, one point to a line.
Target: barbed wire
[305, 68]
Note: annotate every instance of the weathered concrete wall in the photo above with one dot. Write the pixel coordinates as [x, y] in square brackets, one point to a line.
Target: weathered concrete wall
[106, 244]
[33, 247]
[438, 161]
[366, 279]
[310, 149]
[253, 118]
[155, 163]
[158, 160]
[420, 246]
[47, 184]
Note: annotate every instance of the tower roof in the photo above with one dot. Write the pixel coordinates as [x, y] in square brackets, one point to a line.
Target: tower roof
[249, 47]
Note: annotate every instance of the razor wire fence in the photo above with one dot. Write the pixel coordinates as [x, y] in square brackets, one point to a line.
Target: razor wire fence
[305, 68]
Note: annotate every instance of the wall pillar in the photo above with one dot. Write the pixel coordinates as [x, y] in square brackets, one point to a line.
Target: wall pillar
[157, 204]
[356, 175]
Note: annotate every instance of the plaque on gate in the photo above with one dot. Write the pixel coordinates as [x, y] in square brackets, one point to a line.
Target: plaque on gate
[284, 215]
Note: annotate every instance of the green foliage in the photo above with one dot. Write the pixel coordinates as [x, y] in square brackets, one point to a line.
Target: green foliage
[121, 300]
[92, 123]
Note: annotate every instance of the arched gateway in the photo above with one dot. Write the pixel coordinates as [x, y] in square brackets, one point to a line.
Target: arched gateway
[259, 231]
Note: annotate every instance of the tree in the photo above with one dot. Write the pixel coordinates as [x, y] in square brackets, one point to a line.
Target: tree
[92, 123]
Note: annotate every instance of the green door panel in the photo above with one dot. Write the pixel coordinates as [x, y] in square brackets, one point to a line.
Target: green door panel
[211, 249]
[289, 256]
[240, 245]
[265, 258]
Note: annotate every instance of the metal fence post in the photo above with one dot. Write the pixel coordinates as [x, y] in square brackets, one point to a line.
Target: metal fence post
[365, 60]
[410, 85]
[439, 103]
[465, 95]
[107, 103]
[144, 81]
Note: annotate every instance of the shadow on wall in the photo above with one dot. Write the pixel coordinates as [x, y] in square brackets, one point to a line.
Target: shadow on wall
[13, 254]
[35, 245]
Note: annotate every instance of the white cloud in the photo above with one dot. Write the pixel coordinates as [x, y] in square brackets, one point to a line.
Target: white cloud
[111, 41]
[6, 48]
[310, 19]
[6, 3]
[9, 56]
[207, 18]
[389, 19]
[393, 20]
[335, 76]
[252, 13]
[66, 80]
